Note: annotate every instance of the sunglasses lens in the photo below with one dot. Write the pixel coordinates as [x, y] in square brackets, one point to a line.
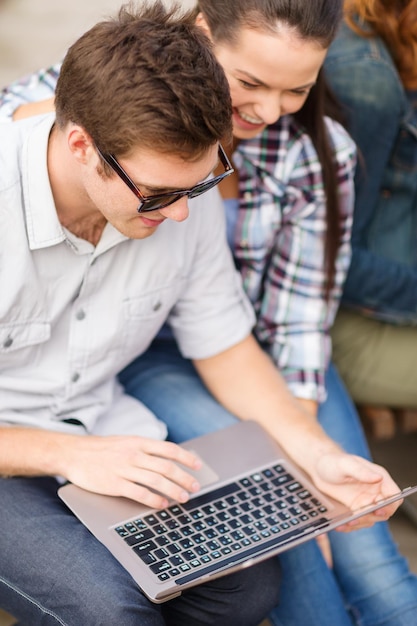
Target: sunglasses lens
[153, 203]
[208, 184]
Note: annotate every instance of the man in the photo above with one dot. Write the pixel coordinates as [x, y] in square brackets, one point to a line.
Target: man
[93, 261]
[87, 281]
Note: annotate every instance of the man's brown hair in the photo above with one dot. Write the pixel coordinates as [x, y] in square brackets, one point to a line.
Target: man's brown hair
[147, 78]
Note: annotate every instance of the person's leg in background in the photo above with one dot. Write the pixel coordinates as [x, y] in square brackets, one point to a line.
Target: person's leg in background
[377, 361]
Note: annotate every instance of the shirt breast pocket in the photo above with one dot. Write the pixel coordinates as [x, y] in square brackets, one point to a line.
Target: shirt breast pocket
[21, 341]
[143, 317]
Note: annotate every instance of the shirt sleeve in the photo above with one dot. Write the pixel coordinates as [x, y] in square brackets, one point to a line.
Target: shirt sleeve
[293, 316]
[213, 312]
[31, 88]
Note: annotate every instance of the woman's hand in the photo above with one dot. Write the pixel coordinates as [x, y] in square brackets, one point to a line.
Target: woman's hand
[356, 482]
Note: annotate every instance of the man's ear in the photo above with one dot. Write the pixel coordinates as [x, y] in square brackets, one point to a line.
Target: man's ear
[80, 144]
[201, 22]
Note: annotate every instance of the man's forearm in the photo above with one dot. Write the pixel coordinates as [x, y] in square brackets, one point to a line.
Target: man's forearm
[32, 452]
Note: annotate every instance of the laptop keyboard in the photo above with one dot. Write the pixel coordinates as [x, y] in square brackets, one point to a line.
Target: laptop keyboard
[223, 526]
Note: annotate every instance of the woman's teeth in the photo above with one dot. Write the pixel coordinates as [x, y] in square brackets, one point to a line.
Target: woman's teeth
[248, 118]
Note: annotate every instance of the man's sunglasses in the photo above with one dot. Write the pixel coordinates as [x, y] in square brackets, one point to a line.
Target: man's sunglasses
[161, 200]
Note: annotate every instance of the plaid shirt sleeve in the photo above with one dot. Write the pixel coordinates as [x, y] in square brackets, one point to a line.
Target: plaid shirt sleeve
[279, 247]
[32, 88]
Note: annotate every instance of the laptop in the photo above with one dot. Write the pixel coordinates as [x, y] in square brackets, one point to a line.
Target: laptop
[254, 503]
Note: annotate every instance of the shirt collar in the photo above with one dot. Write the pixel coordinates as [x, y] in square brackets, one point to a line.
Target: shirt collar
[43, 226]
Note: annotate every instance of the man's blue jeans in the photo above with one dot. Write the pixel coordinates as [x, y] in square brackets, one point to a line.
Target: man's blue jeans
[53, 571]
[370, 583]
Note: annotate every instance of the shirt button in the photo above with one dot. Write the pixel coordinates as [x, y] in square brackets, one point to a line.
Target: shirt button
[157, 306]
[80, 315]
[7, 342]
[75, 377]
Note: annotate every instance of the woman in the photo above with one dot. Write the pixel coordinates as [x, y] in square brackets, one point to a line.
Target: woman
[372, 68]
[288, 224]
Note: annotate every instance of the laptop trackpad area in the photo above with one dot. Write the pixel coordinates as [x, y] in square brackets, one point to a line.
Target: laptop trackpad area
[206, 474]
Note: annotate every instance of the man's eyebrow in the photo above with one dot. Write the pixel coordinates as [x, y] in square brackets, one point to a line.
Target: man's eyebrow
[156, 190]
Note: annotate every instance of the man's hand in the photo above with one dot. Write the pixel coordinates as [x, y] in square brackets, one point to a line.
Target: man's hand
[134, 467]
[130, 466]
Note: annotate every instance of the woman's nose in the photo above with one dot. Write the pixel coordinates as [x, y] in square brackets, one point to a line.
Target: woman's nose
[269, 109]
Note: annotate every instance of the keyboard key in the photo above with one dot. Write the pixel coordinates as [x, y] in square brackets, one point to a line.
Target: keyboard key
[294, 486]
[159, 529]
[159, 568]
[147, 557]
[132, 540]
[163, 515]
[175, 509]
[161, 553]
[172, 523]
[188, 555]
[162, 540]
[174, 548]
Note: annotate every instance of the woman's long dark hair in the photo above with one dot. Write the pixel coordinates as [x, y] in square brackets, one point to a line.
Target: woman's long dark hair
[320, 102]
[313, 20]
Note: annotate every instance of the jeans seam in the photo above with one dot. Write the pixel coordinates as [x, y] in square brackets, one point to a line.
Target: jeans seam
[34, 602]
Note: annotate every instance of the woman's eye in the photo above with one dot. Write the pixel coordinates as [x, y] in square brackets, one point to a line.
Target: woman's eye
[247, 85]
[300, 92]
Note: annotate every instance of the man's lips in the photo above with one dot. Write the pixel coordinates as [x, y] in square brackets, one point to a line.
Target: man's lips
[150, 222]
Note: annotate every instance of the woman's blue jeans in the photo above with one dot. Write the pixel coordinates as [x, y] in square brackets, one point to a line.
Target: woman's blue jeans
[370, 583]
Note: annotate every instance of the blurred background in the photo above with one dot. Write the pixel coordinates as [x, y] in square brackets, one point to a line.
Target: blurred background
[36, 33]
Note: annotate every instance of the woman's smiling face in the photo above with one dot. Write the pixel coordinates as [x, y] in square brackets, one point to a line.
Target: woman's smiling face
[270, 74]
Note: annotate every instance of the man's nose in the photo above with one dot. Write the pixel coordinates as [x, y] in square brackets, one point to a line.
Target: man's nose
[177, 211]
